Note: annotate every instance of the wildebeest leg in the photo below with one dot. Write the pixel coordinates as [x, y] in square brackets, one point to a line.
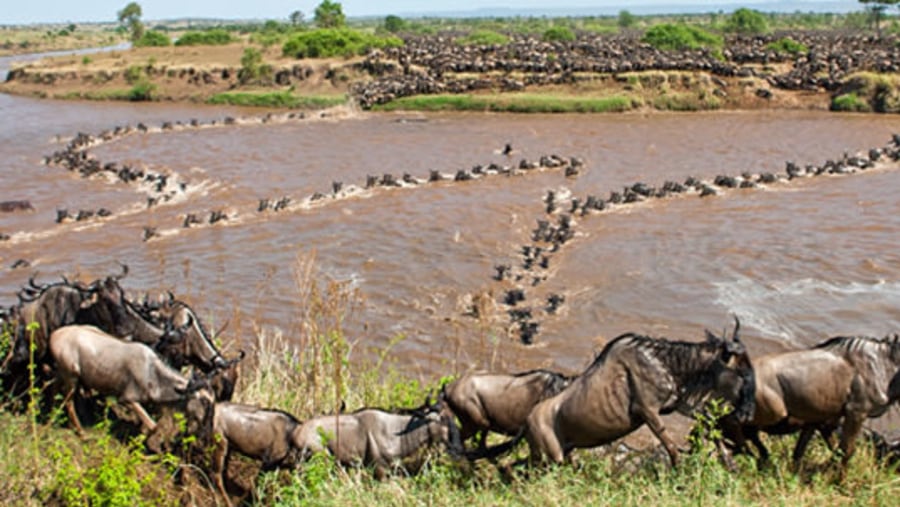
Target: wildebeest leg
[69, 402]
[656, 426]
[806, 433]
[849, 432]
[220, 467]
[753, 436]
[146, 421]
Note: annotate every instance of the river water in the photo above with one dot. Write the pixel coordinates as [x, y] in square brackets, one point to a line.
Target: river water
[797, 262]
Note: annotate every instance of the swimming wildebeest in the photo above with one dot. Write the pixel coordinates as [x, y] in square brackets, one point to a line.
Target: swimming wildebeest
[485, 402]
[377, 437]
[630, 383]
[132, 372]
[263, 434]
[839, 382]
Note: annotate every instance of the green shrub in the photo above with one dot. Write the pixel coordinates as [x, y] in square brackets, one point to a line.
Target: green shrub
[787, 45]
[133, 74]
[559, 33]
[252, 67]
[152, 38]
[215, 37]
[331, 42]
[747, 21]
[668, 36]
[483, 38]
[141, 91]
[276, 99]
[850, 102]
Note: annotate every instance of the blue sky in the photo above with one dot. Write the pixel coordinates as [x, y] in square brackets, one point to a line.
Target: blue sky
[61, 11]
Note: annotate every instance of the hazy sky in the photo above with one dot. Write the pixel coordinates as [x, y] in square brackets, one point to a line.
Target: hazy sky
[38, 11]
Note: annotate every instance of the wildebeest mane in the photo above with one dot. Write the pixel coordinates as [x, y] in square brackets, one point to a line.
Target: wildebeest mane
[850, 343]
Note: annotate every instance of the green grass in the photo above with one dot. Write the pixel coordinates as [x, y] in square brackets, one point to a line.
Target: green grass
[850, 102]
[277, 99]
[512, 103]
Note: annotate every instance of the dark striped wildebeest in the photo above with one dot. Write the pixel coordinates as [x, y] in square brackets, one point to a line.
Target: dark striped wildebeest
[632, 381]
[838, 383]
[485, 402]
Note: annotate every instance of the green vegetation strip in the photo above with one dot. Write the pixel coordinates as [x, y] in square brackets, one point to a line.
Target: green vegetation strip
[513, 103]
[277, 99]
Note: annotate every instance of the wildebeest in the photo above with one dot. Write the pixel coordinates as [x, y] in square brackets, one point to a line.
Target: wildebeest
[630, 383]
[485, 402]
[263, 434]
[839, 382]
[132, 372]
[377, 437]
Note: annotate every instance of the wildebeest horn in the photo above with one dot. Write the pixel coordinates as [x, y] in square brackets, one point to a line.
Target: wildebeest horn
[124, 272]
[171, 296]
[221, 329]
[737, 328]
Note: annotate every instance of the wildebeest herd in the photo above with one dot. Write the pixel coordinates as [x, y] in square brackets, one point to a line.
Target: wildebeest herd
[90, 339]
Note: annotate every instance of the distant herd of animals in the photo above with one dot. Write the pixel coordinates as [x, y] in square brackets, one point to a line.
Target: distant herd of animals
[90, 339]
[548, 237]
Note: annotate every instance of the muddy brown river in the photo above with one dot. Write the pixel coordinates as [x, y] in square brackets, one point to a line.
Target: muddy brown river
[797, 261]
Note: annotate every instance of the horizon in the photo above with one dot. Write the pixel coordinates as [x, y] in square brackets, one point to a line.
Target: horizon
[105, 11]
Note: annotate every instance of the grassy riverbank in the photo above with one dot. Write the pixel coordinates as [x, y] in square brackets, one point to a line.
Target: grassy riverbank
[45, 463]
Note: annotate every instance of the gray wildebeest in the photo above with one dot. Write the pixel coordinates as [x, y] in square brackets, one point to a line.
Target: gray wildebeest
[87, 357]
[263, 434]
[485, 402]
[374, 437]
[839, 382]
[630, 383]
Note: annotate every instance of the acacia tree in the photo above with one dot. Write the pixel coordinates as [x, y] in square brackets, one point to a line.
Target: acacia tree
[130, 16]
[330, 15]
[876, 8]
[297, 18]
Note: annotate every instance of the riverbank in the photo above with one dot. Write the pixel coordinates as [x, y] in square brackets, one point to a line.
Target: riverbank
[743, 77]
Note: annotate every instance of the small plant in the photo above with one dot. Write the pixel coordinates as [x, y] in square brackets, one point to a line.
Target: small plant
[133, 74]
[558, 34]
[483, 38]
[153, 38]
[215, 37]
[141, 91]
[850, 102]
[787, 45]
[86, 60]
[253, 69]
[677, 37]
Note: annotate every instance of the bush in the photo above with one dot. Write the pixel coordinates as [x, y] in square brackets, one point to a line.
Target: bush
[152, 38]
[668, 36]
[216, 37]
[483, 38]
[394, 24]
[141, 91]
[133, 74]
[252, 67]
[746, 21]
[786, 45]
[559, 33]
[330, 42]
[850, 102]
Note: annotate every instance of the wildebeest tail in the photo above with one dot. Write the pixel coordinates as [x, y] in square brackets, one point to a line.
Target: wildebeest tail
[498, 450]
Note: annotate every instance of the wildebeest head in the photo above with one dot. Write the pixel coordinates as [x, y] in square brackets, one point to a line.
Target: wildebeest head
[197, 344]
[735, 380]
[441, 422]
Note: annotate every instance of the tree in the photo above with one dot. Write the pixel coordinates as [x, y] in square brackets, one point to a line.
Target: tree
[394, 24]
[297, 18]
[130, 16]
[875, 9]
[330, 15]
[747, 22]
[626, 19]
